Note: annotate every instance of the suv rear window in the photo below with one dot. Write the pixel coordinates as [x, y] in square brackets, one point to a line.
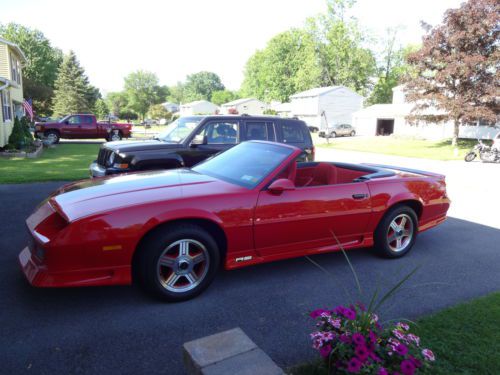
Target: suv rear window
[292, 133]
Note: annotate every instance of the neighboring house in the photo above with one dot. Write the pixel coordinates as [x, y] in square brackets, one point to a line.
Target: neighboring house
[282, 109]
[247, 106]
[199, 107]
[12, 60]
[386, 119]
[171, 107]
[324, 106]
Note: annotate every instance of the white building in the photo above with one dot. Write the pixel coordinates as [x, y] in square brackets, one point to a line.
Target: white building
[249, 106]
[282, 109]
[324, 106]
[171, 107]
[198, 107]
[386, 119]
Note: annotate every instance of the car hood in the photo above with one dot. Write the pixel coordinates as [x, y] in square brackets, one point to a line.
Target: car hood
[90, 197]
[132, 146]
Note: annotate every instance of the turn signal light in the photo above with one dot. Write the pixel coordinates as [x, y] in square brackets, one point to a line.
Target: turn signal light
[121, 166]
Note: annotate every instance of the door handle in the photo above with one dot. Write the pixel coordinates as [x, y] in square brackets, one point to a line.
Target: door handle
[360, 196]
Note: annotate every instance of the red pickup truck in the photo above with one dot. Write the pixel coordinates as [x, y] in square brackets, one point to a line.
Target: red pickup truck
[82, 127]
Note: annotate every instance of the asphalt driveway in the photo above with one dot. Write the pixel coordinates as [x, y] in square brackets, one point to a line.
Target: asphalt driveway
[117, 330]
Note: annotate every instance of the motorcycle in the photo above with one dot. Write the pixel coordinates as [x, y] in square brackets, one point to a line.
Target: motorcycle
[486, 153]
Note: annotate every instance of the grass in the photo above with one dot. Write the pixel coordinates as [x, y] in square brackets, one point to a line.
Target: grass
[464, 338]
[438, 150]
[64, 162]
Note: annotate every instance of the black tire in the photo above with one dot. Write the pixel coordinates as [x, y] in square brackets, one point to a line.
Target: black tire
[470, 156]
[52, 135]
[115, 136]
[353, 133]
[385, 232]
[154, 278]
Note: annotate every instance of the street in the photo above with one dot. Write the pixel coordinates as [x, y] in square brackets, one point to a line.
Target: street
[119, 330]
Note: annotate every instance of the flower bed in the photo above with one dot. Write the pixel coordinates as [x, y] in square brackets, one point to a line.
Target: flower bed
[31, 152]
[351, 340]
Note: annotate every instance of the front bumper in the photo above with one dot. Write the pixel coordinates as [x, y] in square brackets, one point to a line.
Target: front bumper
[97, 170]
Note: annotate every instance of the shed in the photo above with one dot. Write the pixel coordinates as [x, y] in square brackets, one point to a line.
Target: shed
[249, 106]
[198, 107]
[324, 106]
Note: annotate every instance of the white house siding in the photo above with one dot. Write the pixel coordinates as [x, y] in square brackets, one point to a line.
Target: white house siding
[249, 106]
[201, 107]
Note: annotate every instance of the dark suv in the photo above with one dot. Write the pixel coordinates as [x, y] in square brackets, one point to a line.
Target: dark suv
[190, 140]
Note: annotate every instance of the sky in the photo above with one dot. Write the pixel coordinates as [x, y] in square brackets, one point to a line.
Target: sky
[174, 38]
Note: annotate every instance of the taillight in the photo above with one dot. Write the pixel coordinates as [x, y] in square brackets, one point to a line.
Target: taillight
[313, 152]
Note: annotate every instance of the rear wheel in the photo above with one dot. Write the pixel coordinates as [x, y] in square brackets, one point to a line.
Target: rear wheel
[396, 233]
[52, 136]
[470, 156]
[179, 263]
[353, 133]
[333, 135]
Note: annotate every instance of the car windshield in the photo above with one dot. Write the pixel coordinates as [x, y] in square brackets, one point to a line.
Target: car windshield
[246, 164]
[64, 118]
[178, 130]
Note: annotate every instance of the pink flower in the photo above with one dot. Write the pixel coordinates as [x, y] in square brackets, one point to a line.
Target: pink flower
[413, 338]
[398, 334]
[401, 349]
[428, 355]
[407, 367]
[361, 352]
[404, 326]
[358, 338]
[334, 322]
[354, 365]
[374, 318]
[382, 371]
[325, 350]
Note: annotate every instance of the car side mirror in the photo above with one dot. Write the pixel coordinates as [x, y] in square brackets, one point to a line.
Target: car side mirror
[199, 140]
[281, 185]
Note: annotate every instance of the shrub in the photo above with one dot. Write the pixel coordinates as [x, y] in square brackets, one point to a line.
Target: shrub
[19, 137]
[26, 127]
[270, 112]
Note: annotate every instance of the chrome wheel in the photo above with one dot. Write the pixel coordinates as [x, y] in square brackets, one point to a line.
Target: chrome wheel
[183, 265]
[115, 136]
[400, 233]
[52, 138]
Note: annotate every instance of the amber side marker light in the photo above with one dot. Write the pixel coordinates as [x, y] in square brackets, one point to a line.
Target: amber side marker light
[111, 247]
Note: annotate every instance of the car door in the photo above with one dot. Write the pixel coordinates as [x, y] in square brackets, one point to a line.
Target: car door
[215, 136]
[87, 127]
[304, 220]
[71, 127]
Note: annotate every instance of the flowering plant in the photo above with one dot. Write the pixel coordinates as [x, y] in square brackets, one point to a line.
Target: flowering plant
[351, 340]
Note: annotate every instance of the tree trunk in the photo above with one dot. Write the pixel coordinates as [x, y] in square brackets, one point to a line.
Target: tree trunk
[456, 130]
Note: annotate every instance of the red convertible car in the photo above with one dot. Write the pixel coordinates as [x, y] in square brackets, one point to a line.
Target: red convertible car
[171, 230]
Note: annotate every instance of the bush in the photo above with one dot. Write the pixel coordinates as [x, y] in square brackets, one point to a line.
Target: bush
[21, 135]
[270, 112]
[175, 116]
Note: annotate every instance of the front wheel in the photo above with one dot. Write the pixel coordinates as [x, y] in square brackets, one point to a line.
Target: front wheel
[179, 263]
[396, 233]
[52, 136]
[470, 156]
[353, 133]
[114, 136]
[333, 135]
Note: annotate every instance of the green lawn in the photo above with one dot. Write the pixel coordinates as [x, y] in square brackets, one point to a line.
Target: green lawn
[439, 150]
[64, 162]
[464, 338]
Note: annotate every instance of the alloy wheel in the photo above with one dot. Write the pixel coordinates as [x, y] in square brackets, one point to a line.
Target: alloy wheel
[400, 233]
[183, 265]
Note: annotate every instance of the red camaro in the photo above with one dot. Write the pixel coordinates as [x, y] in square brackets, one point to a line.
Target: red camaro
[171, 230]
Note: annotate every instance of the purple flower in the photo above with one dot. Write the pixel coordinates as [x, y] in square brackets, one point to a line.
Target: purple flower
[361, 352]
[317, 313]
[415, 361]
[428, 355]
[358, 338]
[407, 367]
[401, 349]
[354, 365]
[382, 371]
[361, 306]
[375, 357]
[373, 337]
[325, 350]
[350, 314]
[345, 338]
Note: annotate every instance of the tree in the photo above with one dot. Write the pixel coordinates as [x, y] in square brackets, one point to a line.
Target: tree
[288, 64]
[223, 96]
[201, 85]
[159, 112]
[117, 102]
[143, 91]
[392, 68]
[340, 49]
[456, 71]
[101, 109]
[176, 93]
[40, 71]
[73, 93]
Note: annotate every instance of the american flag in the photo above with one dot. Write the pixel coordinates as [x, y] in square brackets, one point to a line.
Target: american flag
[28, 108]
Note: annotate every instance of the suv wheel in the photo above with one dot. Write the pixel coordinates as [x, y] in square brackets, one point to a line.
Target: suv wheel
[114, 136]
[52, 136]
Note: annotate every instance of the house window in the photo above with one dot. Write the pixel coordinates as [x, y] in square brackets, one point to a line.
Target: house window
[6, 107]
[15, 69]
